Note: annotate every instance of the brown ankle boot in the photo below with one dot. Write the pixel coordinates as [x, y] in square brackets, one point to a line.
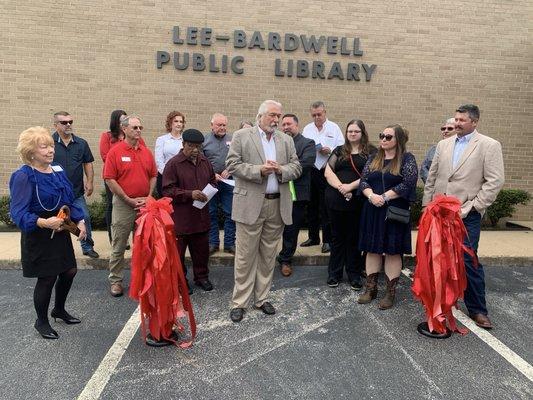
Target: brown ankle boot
[388, 300]
[371, 289]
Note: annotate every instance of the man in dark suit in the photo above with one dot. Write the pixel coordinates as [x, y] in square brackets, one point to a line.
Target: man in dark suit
[305, 150]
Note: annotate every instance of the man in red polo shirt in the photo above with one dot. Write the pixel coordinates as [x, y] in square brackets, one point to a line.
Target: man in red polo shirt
[130, 173]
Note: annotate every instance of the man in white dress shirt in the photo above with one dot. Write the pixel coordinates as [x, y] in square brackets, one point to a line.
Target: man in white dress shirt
[326, 135]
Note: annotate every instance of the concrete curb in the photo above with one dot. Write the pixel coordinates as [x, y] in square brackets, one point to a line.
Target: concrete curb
[225, 261]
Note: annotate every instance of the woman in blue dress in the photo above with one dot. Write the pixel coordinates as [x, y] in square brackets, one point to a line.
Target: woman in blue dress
[389, 179]
[38, 190]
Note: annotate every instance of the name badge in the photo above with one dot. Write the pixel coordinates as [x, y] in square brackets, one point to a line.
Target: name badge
[57, 168]
[127, 159]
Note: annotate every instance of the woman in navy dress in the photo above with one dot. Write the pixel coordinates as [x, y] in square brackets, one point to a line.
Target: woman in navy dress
[38, 190]
[343, 174]
[389, 179]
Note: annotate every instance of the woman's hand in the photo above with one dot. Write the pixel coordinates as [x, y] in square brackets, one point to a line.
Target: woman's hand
[83, 230]
[377, 200]
[344, 188]
[54, 223]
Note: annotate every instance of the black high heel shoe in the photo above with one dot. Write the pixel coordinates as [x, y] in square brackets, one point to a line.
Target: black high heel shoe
[65, 316]
[46, 330]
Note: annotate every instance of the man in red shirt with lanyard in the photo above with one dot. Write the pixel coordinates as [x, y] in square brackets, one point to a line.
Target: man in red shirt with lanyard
[130, 173]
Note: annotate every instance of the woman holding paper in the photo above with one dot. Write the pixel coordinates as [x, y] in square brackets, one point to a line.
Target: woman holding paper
[184, 178]
[38, 191]
[343, 174]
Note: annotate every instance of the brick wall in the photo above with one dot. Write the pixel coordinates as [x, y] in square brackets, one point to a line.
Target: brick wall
[92, 57]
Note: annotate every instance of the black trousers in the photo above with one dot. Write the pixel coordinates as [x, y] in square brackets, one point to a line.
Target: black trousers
[345, 254]
[290, 232]
[317, 214]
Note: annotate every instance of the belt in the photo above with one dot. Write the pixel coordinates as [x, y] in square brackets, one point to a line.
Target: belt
[271, 196]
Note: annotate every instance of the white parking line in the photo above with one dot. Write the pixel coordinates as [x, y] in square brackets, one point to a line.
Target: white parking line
[514, 359]
[96, 385]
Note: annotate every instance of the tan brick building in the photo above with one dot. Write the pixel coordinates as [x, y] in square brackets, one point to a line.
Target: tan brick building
[90, 58]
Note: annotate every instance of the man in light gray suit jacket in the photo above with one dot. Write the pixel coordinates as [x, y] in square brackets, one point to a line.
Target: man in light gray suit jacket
[469, 166]
[262, 161]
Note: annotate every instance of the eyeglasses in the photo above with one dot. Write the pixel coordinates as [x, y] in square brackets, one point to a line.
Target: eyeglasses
[387, 138]
[447, 128]
[137, 128]
[66, 122]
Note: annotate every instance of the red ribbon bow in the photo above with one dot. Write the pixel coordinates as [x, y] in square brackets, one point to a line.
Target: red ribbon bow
[157, 278]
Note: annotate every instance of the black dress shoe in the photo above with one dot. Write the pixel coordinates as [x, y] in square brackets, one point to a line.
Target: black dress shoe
[212, 249]
[236, 314]
[46, 330]
[310, 242]
[267, 308]
[332, 282]
[91, 253]
[326, 248]
[356, 284]
[65, 316]
[230, 250]
[151, 341]
[205, 285]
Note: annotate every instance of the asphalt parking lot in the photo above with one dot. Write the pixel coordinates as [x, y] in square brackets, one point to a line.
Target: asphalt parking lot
[320, 344]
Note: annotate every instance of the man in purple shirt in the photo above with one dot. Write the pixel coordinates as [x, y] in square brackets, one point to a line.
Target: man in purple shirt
[184, 177]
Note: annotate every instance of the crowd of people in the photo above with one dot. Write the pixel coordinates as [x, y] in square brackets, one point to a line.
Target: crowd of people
[270, 176]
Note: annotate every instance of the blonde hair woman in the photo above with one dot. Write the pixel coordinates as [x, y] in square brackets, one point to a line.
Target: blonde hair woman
[38, 190]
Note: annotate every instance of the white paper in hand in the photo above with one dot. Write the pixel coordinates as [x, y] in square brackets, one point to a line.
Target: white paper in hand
[209, 191]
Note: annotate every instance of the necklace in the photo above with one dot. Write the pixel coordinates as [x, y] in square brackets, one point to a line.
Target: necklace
[39, 197]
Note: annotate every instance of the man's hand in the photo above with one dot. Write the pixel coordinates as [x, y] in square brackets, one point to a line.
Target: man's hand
[88, 188]
[266, 169]
[325, 151]
[225, 174]
[83, 230]
[218, 177]
[199, 195]
[275, 166]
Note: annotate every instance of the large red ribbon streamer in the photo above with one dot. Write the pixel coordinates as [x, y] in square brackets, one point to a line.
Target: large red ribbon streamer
[440, 276]
[157, 278]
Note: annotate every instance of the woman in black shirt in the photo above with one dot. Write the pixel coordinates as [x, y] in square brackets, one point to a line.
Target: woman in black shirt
[343, 174]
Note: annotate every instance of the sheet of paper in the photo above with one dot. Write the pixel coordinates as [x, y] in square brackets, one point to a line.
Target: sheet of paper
[209, 191]
[230, 182]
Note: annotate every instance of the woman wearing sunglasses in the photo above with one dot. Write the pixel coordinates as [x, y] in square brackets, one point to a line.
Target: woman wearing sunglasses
[389, 179]
[343, 174]
[446, 130]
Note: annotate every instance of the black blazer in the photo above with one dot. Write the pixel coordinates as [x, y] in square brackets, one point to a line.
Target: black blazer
[306, 152]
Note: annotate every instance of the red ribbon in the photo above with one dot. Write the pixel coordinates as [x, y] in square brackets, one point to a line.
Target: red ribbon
[440, 276]
[157, 278]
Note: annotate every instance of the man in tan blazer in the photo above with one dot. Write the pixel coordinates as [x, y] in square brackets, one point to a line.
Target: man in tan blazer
[262, 161]
[468, 166]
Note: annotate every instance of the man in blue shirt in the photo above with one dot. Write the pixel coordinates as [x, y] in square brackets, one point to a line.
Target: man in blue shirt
[74, 155]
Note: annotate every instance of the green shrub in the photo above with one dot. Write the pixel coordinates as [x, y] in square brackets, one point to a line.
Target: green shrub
[504, 205]
[97, 211]
[5, 218]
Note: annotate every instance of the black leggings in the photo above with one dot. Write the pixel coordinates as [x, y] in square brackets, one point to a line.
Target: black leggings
[43, 292]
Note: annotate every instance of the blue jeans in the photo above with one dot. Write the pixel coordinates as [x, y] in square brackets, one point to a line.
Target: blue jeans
[223, 198]
[474, 295]
[88, 243]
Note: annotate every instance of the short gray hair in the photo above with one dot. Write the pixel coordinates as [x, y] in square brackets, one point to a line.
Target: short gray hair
[449, 121]
[318, 104]
[215, 115]
[264, 106]
[126, 120]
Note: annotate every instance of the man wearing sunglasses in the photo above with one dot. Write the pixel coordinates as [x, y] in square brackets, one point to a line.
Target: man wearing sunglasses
[446, 130]
[75, 157]
[130, 173]
[469, 166]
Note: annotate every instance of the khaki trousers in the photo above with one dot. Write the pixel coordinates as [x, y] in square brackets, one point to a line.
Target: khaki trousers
[256, 248]
[122, 220]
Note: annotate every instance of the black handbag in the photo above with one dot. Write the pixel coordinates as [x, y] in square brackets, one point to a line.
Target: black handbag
[396, 214]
